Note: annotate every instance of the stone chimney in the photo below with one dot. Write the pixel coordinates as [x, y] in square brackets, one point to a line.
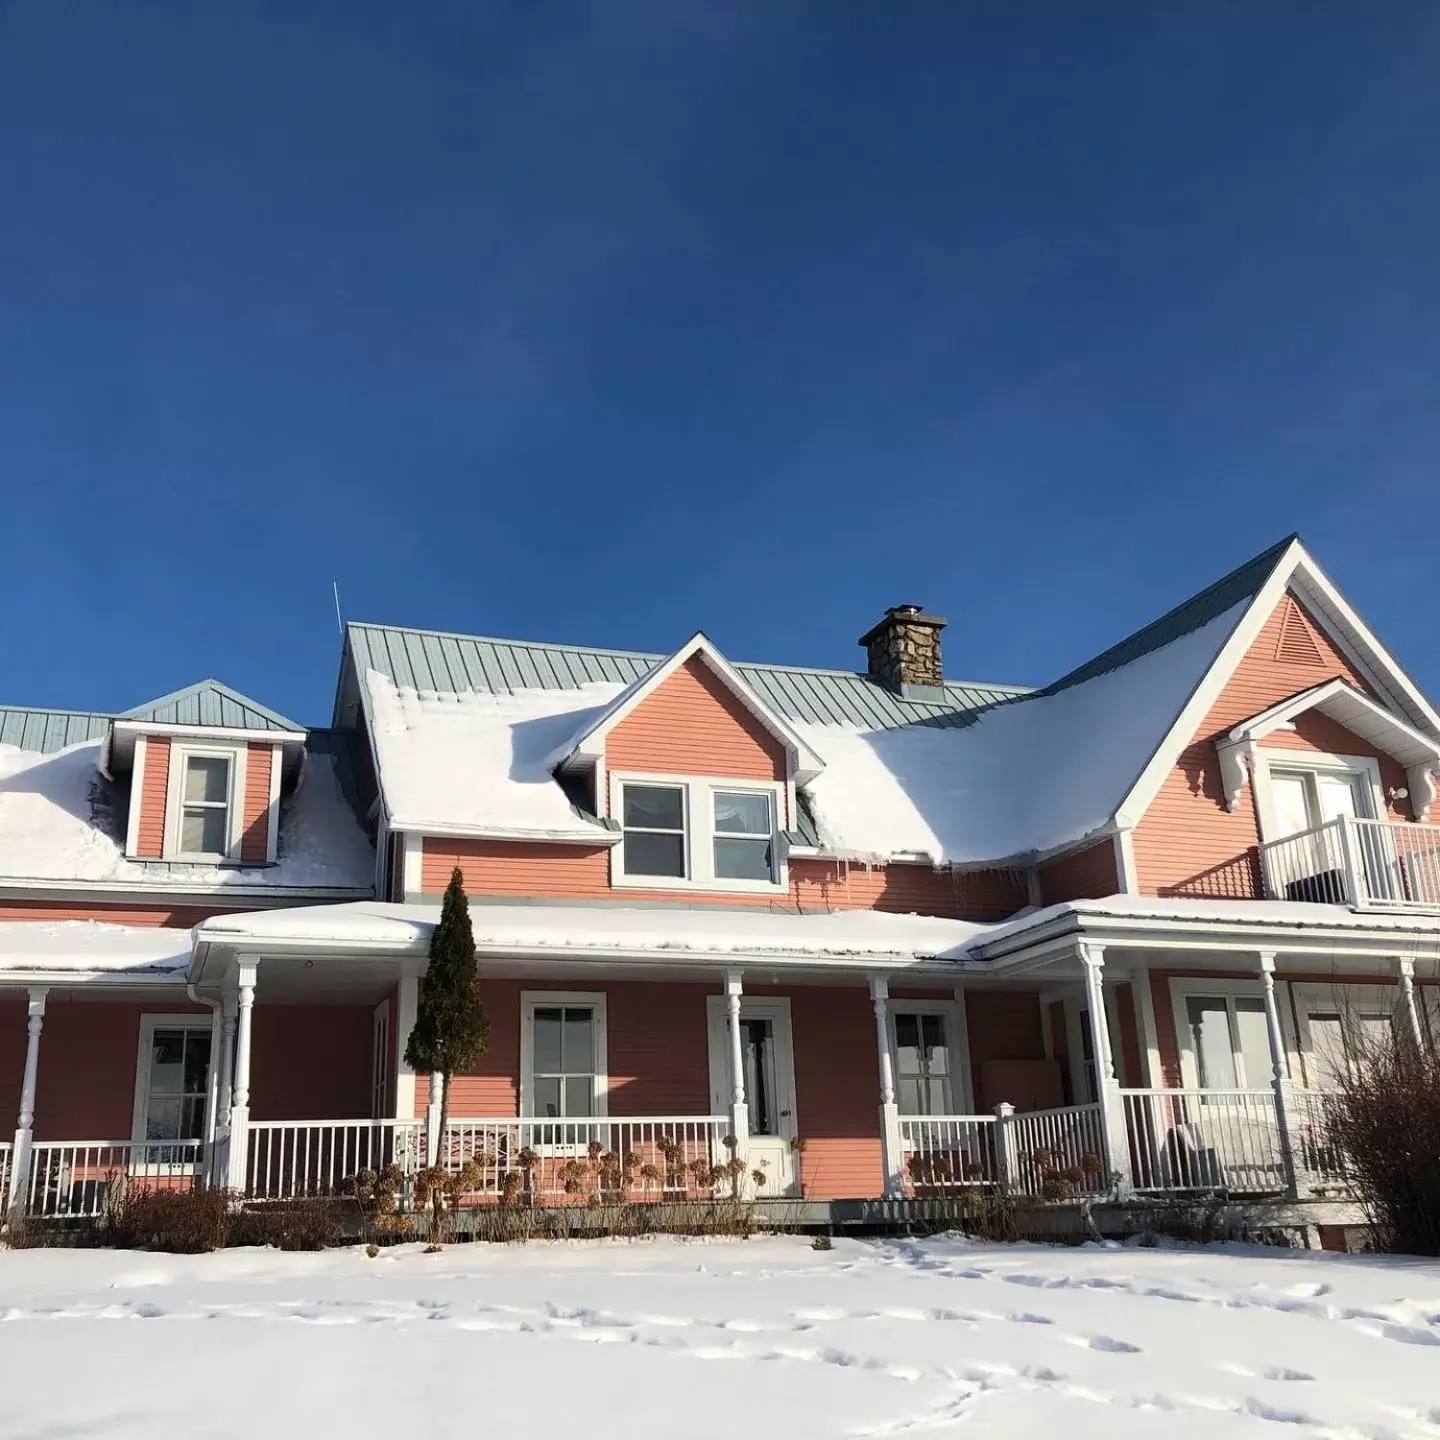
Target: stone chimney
[903, 650]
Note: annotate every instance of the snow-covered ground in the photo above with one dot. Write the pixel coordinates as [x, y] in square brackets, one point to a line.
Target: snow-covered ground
[722, 1338]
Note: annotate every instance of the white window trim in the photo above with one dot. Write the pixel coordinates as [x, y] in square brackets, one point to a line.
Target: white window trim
[530, 1001]
[962, 1095]
[137, 791]
[1183, 990]
[149, 1023]
[234, 827]
[1365, 766]
[699, 792]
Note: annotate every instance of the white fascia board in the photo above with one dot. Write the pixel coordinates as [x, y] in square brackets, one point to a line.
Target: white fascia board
[589, 748]
[592, 835]
[1207, 692]
[255, 896]
[110, 979]
[210, 732]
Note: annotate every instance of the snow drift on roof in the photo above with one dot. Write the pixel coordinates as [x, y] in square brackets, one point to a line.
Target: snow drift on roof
[837, 934]
[57, 822]
[82, 945]
[1032, 775]
[481, 762]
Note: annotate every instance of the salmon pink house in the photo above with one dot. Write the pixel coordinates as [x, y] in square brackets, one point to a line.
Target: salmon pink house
[884, 935]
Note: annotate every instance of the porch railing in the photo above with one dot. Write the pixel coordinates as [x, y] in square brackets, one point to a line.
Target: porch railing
[1057, 1154]
[1183, 1140]
[291, 1159]
[948, 1152]
[85, 1178]
[1320, 1159]
[7, 1152]
[634, 1158]
[1380, 864]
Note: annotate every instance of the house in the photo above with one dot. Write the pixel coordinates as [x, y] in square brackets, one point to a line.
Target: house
[882, 935]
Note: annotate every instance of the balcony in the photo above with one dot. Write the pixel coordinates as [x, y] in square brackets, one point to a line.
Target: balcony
[1367, 864]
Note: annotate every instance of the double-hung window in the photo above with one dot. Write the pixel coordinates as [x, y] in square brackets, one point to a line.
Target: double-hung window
[202, 805]
[709, 834]
[1228, 1041]
[922, 1063]
[562, 1048]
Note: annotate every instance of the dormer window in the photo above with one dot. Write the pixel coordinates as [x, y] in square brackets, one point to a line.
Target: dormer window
[684, 832]
[205, 806]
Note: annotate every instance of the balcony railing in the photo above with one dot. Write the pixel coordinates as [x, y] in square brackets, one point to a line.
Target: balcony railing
[1370, 864]
[86, 1178]
[289, 1159]
[634, 1159]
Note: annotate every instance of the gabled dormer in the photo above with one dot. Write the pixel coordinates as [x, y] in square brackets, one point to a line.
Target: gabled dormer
[205, 768]
[697, 773]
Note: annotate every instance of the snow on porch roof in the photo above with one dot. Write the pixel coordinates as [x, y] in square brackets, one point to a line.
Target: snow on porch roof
[87, 945]
[606, 930]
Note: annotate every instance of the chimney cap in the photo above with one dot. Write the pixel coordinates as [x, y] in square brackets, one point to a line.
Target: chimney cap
[907, 614]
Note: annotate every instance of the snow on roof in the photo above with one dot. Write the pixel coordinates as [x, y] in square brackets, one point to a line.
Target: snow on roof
[863, 934]
[83, 945]
[481, 761]
[58, 822]
[1028, 776]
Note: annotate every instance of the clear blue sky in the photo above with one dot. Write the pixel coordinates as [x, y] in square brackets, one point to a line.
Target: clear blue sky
[609, 322]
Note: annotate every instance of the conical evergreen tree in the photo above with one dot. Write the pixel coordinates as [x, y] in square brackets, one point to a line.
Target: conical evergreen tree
[451, 1030]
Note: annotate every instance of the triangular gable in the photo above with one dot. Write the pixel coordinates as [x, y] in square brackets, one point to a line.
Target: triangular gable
[1294, 572]
[1359, 714]
[588, 747]
[210, 703]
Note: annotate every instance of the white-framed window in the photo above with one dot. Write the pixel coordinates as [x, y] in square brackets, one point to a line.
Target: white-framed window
[1341, 1025]
[562, 1055]
[1301, 791]
[172, 1086]
[931, 1057]
[203, 804]
[684, 832]
[1223, 1033]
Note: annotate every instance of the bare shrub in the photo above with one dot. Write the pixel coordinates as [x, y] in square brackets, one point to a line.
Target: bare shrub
[184, 1222]
[311, 1224]
[1385, 1122]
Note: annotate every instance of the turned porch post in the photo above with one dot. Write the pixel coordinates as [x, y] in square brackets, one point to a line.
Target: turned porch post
[25, 1126]
[240, 1093]
[891, 1146]
[739, 1110]
[1407, 997]
[1112, 1104]
[1285, 1116]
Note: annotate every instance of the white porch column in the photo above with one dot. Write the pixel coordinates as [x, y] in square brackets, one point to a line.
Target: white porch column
[1407, 996]
[25, 1125]
[1112, 1104]
[432, 1116]
[227, 1057]
[739, 1110]
[1285, 1117]
[892, 1149]
[240, 1094]
[407, 1005]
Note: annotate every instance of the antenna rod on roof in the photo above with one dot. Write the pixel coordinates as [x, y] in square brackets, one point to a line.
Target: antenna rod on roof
[339, 623]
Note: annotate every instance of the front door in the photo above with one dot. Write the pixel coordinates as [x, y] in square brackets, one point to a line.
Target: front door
[768, 1058]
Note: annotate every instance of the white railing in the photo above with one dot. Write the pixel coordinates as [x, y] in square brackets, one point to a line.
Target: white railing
[635, 1158]
[1365, 863]
[1057, 1154]
[1320, 1159]
[289, 1159]
[948, 1152]
[1204, 1140]
[85, 1178]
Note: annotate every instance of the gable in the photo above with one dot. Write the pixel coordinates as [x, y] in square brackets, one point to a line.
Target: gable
[693, 724]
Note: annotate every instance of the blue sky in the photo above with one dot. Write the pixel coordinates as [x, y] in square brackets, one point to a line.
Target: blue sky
[609, 322]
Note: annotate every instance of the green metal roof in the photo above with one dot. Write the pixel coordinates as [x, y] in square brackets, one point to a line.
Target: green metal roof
[1243, 583]
[432, 660]
[211, 703]
[46, 731]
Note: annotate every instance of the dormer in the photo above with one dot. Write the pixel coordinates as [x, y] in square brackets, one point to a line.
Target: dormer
[697, 774]
[206, 767]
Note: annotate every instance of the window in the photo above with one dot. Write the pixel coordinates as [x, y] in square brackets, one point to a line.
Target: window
[1228, 1038]
[202, 806]
[172, 1087]
[744, 835]
[653, 821]
[1341, 1040]
[922, 1064]
[757, 1049]
[562, 1061]
[679, 832]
